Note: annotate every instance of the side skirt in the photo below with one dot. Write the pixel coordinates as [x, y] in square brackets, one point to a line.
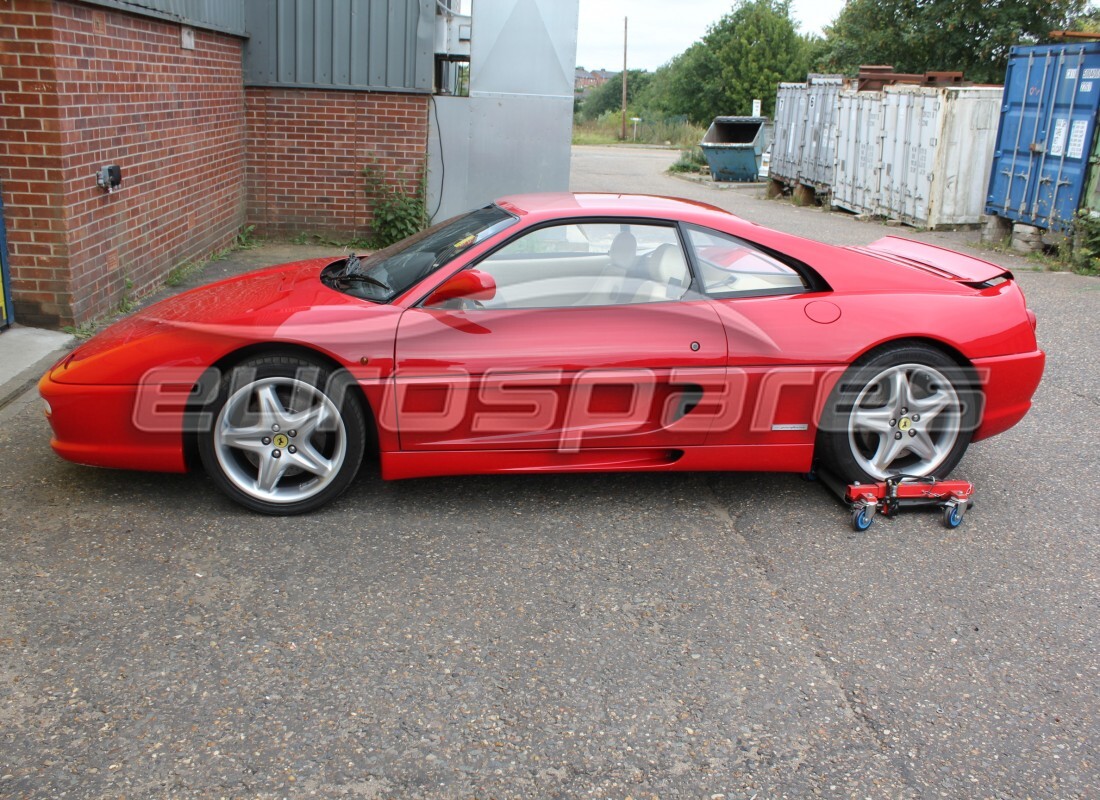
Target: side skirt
[717, 458]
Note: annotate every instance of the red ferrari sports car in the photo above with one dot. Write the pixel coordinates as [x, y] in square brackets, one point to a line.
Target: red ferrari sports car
[560, 333]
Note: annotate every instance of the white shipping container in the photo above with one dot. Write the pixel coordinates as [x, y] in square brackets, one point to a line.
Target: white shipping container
[804, 148]
[859, 151]
[790, 120]
[937, 153]
[919, 154]
[819, 137]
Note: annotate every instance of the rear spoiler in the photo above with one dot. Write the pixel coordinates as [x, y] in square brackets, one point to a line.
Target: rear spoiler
[939, 261]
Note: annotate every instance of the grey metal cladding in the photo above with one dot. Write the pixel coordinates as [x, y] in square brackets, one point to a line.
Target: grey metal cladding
[340, 44]
[226, 16]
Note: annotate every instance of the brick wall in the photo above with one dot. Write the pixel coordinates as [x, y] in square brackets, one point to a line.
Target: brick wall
[82, 87]
[31, 162]
[306, 152]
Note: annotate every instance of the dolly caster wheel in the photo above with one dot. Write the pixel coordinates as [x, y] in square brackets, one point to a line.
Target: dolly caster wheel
[862, 518]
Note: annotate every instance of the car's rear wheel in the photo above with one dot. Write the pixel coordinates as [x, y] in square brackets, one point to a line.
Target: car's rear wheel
[287, 434]
[903, 410]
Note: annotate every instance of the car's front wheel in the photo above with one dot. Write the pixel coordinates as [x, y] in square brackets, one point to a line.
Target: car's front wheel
[904, 410]
[287, 434]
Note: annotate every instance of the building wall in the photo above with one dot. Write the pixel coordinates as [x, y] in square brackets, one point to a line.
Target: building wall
[307, 150]
[31, 163]
[356, 45]
[83, 87]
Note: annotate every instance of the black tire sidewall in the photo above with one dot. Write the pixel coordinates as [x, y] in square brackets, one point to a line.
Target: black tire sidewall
[322, 377]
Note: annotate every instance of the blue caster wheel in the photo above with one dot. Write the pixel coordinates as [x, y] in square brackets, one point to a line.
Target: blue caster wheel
[952, 515]
[861, 520]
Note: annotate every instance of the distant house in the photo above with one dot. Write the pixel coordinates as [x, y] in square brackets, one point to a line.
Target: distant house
[586, 79]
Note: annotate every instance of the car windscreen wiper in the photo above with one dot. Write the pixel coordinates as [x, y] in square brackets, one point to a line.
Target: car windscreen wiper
[353, 271]
[366, 279]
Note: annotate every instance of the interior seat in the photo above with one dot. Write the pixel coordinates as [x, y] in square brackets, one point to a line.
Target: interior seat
[663, 276]
[608, 288]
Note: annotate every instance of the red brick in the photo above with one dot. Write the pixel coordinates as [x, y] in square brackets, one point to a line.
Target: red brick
[196, 148]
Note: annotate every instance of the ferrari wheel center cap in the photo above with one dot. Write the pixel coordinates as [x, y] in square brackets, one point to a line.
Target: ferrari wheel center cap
[905, 424]
[280, 440]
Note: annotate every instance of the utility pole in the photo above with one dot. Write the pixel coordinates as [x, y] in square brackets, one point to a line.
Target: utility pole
[623, 135]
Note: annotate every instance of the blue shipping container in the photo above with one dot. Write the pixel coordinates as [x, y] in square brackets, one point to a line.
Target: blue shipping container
[1045, 138]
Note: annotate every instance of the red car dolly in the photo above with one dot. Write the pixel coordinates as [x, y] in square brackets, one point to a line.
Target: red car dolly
[903, 491]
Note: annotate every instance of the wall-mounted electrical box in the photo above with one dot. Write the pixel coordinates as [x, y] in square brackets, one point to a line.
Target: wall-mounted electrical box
[109, 178]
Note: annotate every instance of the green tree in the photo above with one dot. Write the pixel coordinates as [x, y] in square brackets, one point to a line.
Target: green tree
[1088, 22]
[973, 36]
[743, 56]
[695, 83]
[609, 95]
[756, 46]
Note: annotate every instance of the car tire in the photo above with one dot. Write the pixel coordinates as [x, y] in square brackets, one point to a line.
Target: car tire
[286, 434]
[905, 409]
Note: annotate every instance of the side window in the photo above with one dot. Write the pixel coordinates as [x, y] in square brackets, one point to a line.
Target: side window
[588, 264]
[729, 267]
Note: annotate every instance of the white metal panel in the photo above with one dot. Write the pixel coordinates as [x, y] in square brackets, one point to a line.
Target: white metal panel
[513, 133]
[449, 125]
[524, 47]
[859, 151]
[493, 146]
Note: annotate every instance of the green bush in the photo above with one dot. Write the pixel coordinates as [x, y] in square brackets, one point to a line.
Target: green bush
[1086, 244]
[691, 160]
[396, 214]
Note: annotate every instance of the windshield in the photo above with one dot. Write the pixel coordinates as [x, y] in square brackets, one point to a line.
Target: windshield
[384, 275]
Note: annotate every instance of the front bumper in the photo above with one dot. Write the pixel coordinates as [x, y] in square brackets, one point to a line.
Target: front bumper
[100, 426]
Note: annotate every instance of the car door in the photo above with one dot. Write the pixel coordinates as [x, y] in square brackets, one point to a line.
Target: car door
[778, 324]
[592, 339]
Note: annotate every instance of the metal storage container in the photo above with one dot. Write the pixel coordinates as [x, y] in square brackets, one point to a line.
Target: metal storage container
[918, 154]
[1046, 134]
[937, 150]
[859, 151]
[790, 122]
[733, 147]
[819, 140]
[804, 150]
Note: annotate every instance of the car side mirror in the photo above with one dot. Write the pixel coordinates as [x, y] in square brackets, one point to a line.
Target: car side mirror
[470, 284]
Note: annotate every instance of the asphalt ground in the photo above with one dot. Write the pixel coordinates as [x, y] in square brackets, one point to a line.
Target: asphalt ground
[613, 636]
